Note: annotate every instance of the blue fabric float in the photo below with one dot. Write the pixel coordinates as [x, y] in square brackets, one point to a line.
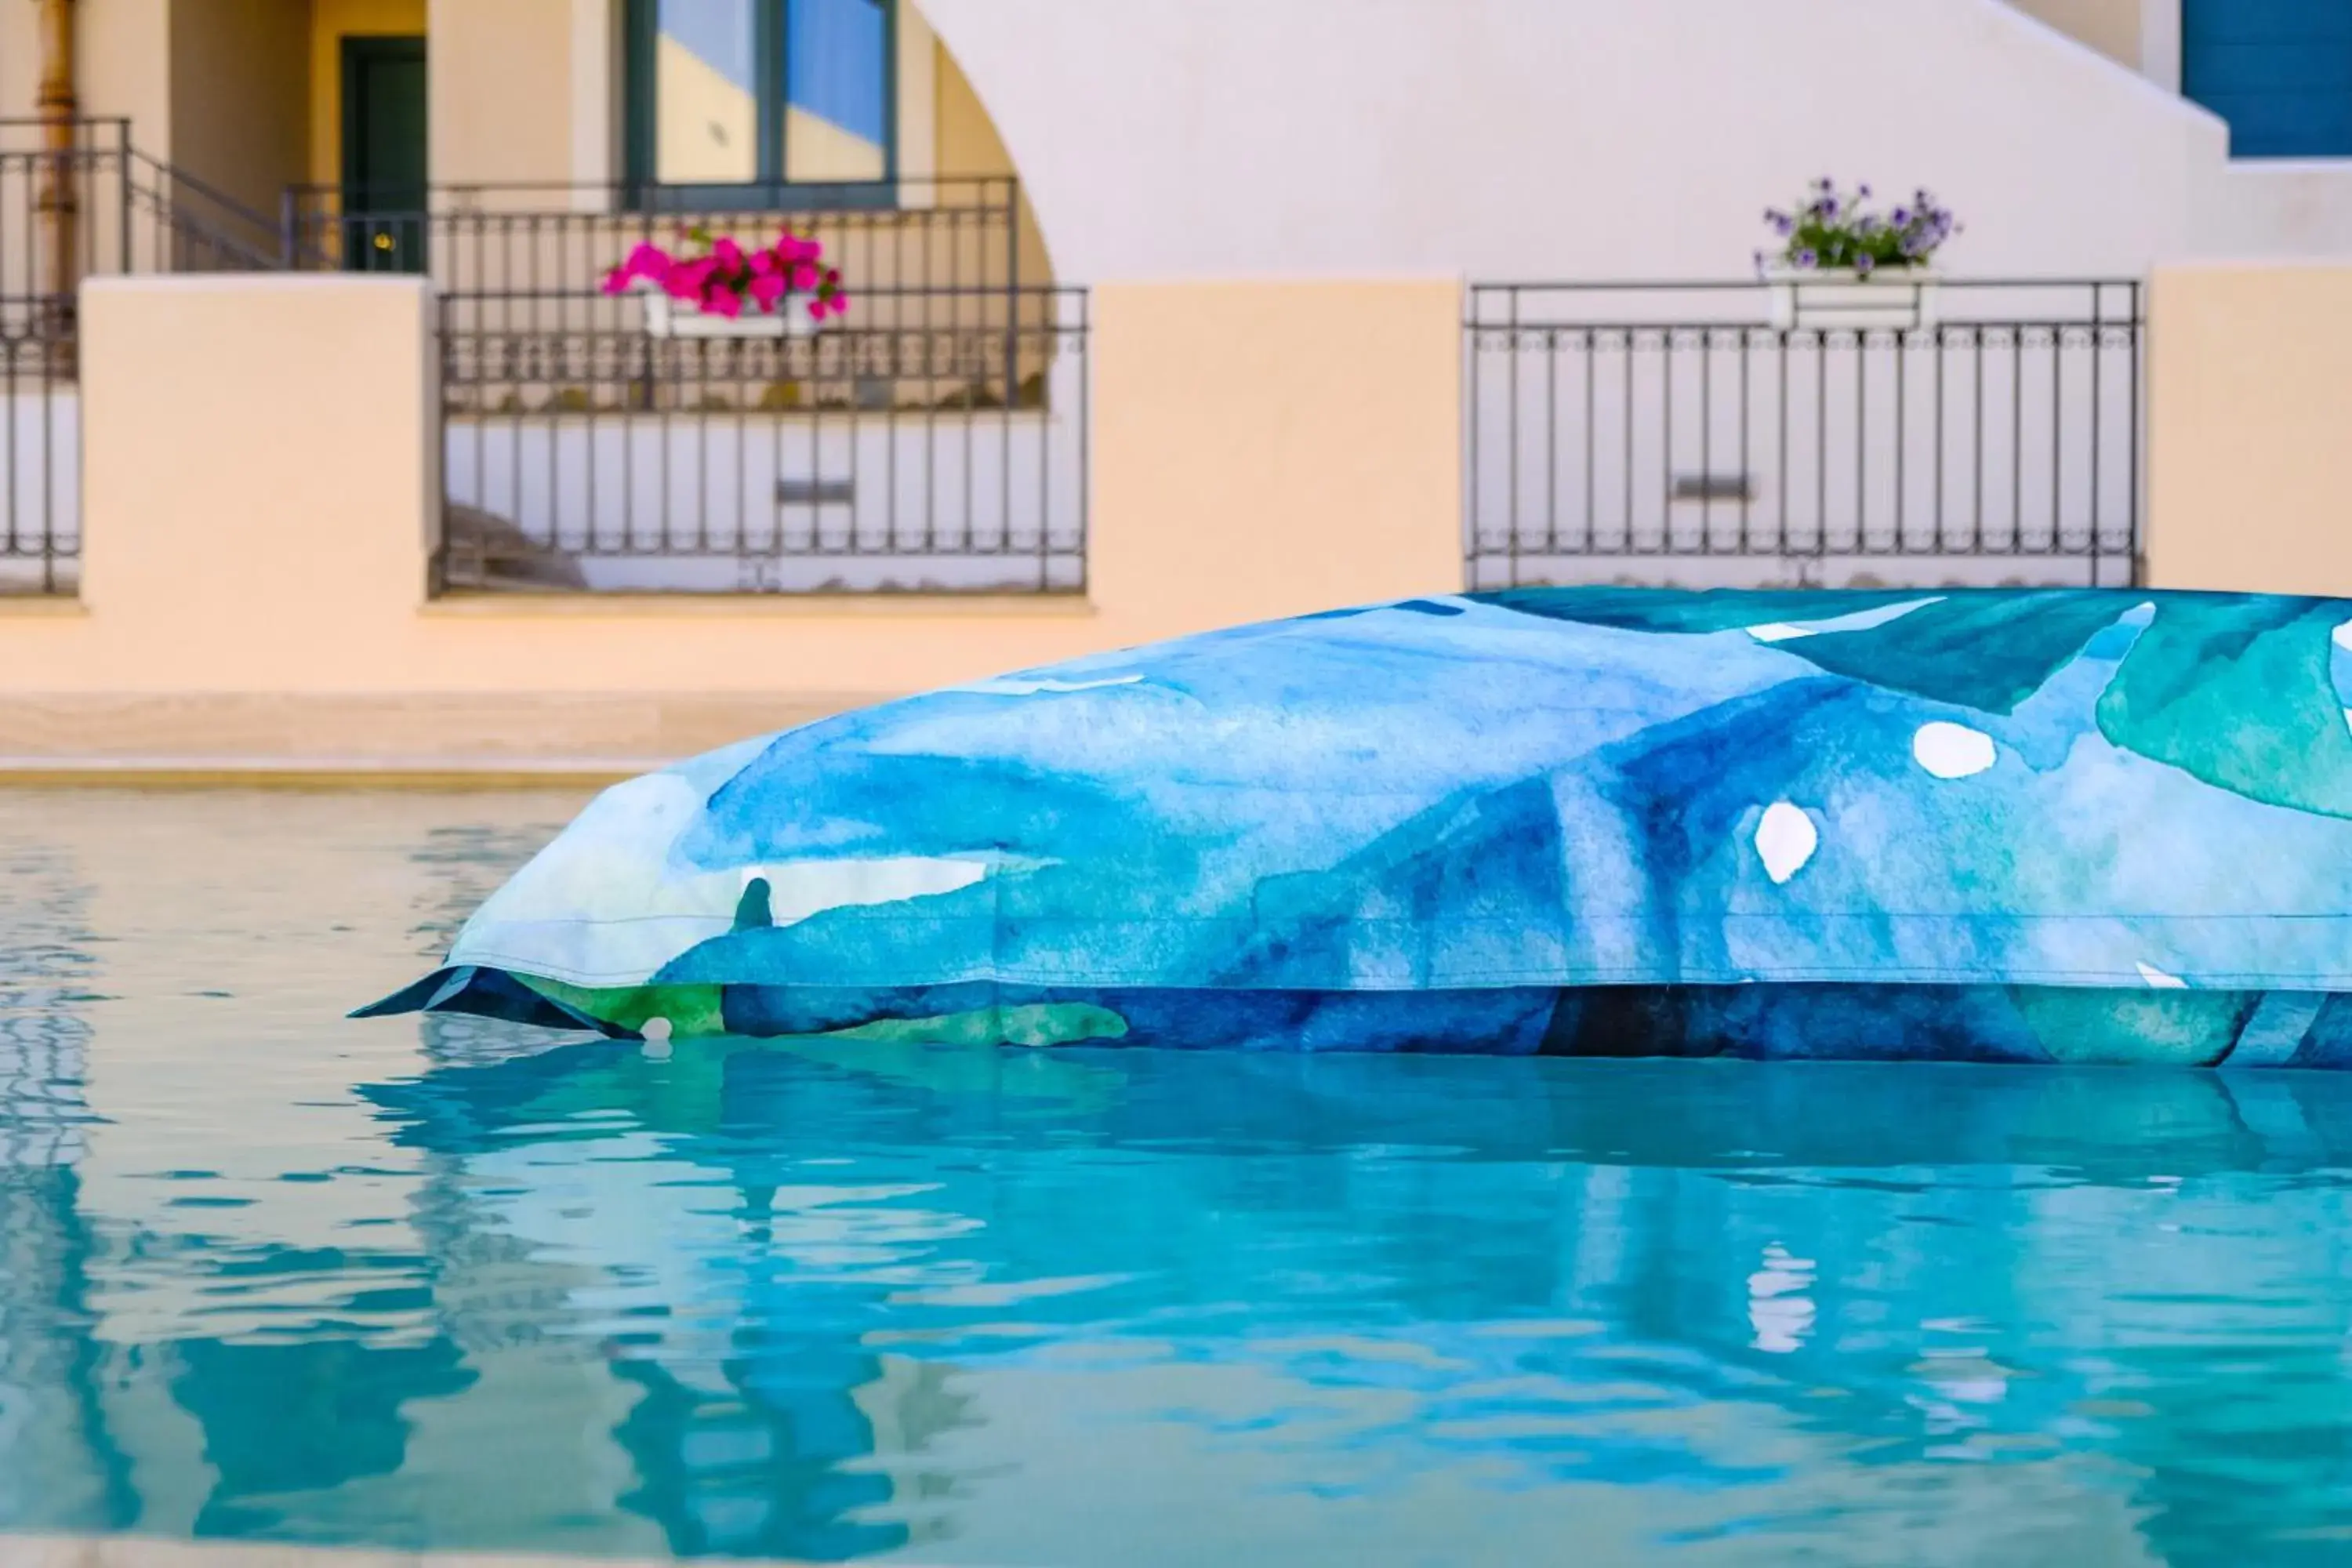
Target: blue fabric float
[1991, 826]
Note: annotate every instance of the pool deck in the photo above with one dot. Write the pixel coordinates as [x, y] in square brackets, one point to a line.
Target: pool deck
[140, 1551]
[447, 739]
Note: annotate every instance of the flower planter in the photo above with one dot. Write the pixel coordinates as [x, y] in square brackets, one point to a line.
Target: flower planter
[673, 318]
[671, 287]
[1823, 300]
[668, 317]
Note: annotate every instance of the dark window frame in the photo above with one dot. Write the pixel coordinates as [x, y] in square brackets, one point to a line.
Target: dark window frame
[772, 190]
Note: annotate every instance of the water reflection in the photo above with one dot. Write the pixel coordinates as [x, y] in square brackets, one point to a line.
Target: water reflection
[492, 1289]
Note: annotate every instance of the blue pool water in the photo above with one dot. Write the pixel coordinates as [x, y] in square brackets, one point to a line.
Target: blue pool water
[269, 1275]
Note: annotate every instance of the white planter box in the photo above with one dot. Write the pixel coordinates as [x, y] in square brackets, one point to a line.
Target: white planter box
[668, 317]
[1813, 299]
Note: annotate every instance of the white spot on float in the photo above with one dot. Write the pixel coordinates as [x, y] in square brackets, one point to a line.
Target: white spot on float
[799, 889]
[2342, 635]
[2157, 980]
[2347, 717]
[1859, 621]
[1785, 840]
[1952, 751]
[656, 1032]
[1042, 685]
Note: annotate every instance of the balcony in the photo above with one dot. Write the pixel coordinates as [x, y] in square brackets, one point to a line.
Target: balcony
[1673, 432]
[933, 440]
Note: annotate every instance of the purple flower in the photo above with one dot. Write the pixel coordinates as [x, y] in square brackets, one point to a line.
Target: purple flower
[1827, 207]
[1863, 264]
[1900, 217]
[1863, 191]
[1805, 259]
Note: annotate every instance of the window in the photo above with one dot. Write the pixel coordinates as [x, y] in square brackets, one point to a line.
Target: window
[2279, 72]
[738, 99]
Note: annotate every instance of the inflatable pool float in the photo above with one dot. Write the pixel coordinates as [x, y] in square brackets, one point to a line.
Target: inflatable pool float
[2028, 826]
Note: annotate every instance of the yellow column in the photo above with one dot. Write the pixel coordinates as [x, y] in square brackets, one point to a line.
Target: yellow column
[60, 201]
[259, 477]
[1262, 449]
[2250, 394]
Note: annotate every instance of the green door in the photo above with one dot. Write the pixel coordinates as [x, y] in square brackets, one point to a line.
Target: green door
[384, 202]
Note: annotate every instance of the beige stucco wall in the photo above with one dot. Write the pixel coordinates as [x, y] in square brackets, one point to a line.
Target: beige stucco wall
[20, 61]
[1265, 449]
[2250, 394]
[124, 62]
[500, 99]
[1259, 449]
[239, 74]
[2110, 27]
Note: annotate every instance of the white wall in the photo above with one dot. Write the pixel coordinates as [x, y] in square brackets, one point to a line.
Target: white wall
[1164, 138]
[654, 502]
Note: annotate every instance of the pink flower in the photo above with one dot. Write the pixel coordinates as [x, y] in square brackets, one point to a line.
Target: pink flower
[721, 301]
[816, 309]
[727, 253]
[688, 279]
[767, 288]
[765, 262]
[792, 247]
[841, 304]
[646, 262]
[803, 277]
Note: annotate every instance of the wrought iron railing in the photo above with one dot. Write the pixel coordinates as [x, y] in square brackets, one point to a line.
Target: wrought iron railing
[98, 205]
[933, 439]
[1694, 431]
[551, 238]
[84, 204]
[40, 468]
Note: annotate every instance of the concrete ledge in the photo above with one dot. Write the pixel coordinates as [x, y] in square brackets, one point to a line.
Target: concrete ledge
[457, 775]
[409, 735]
[136, 1552]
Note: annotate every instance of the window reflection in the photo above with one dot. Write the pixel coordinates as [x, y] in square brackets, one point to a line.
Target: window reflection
[836, 95]
[705, 92]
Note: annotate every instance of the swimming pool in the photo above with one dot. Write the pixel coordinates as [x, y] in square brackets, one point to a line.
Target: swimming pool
[267, 1275]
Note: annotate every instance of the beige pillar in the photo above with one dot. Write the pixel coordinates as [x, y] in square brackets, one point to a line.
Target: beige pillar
[2250, 401]
[1267, 448]
[259, 475]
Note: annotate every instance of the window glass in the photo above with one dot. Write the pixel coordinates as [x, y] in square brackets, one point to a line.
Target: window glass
[705, 92]
[836, 90]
